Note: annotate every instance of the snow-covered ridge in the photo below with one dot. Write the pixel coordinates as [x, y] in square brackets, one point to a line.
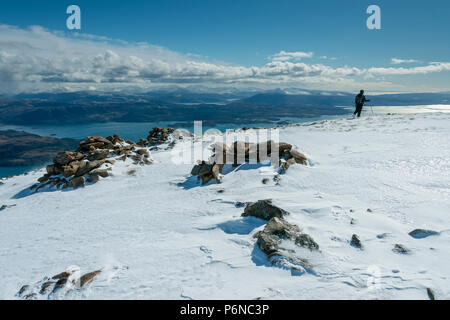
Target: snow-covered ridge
[159, 234]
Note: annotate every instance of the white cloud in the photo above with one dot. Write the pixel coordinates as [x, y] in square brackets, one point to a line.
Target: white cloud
[286, 56]
[36, 59]
[430, 68]
[402, 61]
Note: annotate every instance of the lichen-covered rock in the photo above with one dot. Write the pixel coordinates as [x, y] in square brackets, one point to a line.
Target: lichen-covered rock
[264, 209]
[64, 158]
[271, 239]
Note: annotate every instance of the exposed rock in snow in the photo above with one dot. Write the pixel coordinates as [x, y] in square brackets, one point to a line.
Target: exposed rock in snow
[399, 248]
[57, 286]
[272, 241]
[4, 206]
[431, 294]
[421, 233]
[356, 242]
[263, 209]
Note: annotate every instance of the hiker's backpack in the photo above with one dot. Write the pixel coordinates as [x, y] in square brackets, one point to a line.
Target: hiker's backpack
[359, 99]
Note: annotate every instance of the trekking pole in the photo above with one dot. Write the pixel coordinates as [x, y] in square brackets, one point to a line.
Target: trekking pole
[371, 109]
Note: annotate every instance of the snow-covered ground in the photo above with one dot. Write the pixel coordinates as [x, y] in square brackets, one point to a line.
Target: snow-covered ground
[159, 235]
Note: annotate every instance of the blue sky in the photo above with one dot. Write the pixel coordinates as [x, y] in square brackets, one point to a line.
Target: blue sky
[248, 32]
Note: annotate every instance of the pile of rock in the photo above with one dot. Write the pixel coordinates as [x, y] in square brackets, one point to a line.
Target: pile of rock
[276, 232]
[156, 137]
[90, 161]
[244, 152]
[68, 279]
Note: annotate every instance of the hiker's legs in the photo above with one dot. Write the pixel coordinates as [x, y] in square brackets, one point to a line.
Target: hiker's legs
[358, 110]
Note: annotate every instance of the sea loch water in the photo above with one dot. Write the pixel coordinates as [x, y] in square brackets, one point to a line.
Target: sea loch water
[136, 130]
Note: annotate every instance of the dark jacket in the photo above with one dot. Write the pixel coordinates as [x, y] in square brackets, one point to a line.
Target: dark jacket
[360, 99]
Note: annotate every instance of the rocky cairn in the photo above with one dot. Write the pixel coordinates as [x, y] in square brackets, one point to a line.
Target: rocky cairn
[91, 161]
[161, 136]
[244, 152]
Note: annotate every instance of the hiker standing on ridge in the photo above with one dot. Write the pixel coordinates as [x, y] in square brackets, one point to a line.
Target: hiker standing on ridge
[360, 99]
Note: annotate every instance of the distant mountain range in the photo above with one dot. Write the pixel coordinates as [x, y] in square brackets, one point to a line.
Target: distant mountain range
[178, 104]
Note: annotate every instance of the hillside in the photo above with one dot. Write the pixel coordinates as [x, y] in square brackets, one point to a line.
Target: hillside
[155, 233]
[239, 107]
[18, 148]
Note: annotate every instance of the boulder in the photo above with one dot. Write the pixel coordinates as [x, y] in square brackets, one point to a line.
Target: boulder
[305, 240]
[270, 241]
[64, 158]
[23, 289]
[71, 169]
[52, 170]
[285, 165]
[93, 178]
[263, 209]
[114, 139]
[298, 157]
[422, 233]
[89, 167]
[98, 155]
[216, 170]
[45, 286]
[44, 178]
[196, 170]
[355, 242]
[399, 248]
[77, 182]
[142, 152]
[284, 148]
[88, 277]
[207, 171]
[97, 140]
[267, 243]
[431, 294]
[100, 172]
